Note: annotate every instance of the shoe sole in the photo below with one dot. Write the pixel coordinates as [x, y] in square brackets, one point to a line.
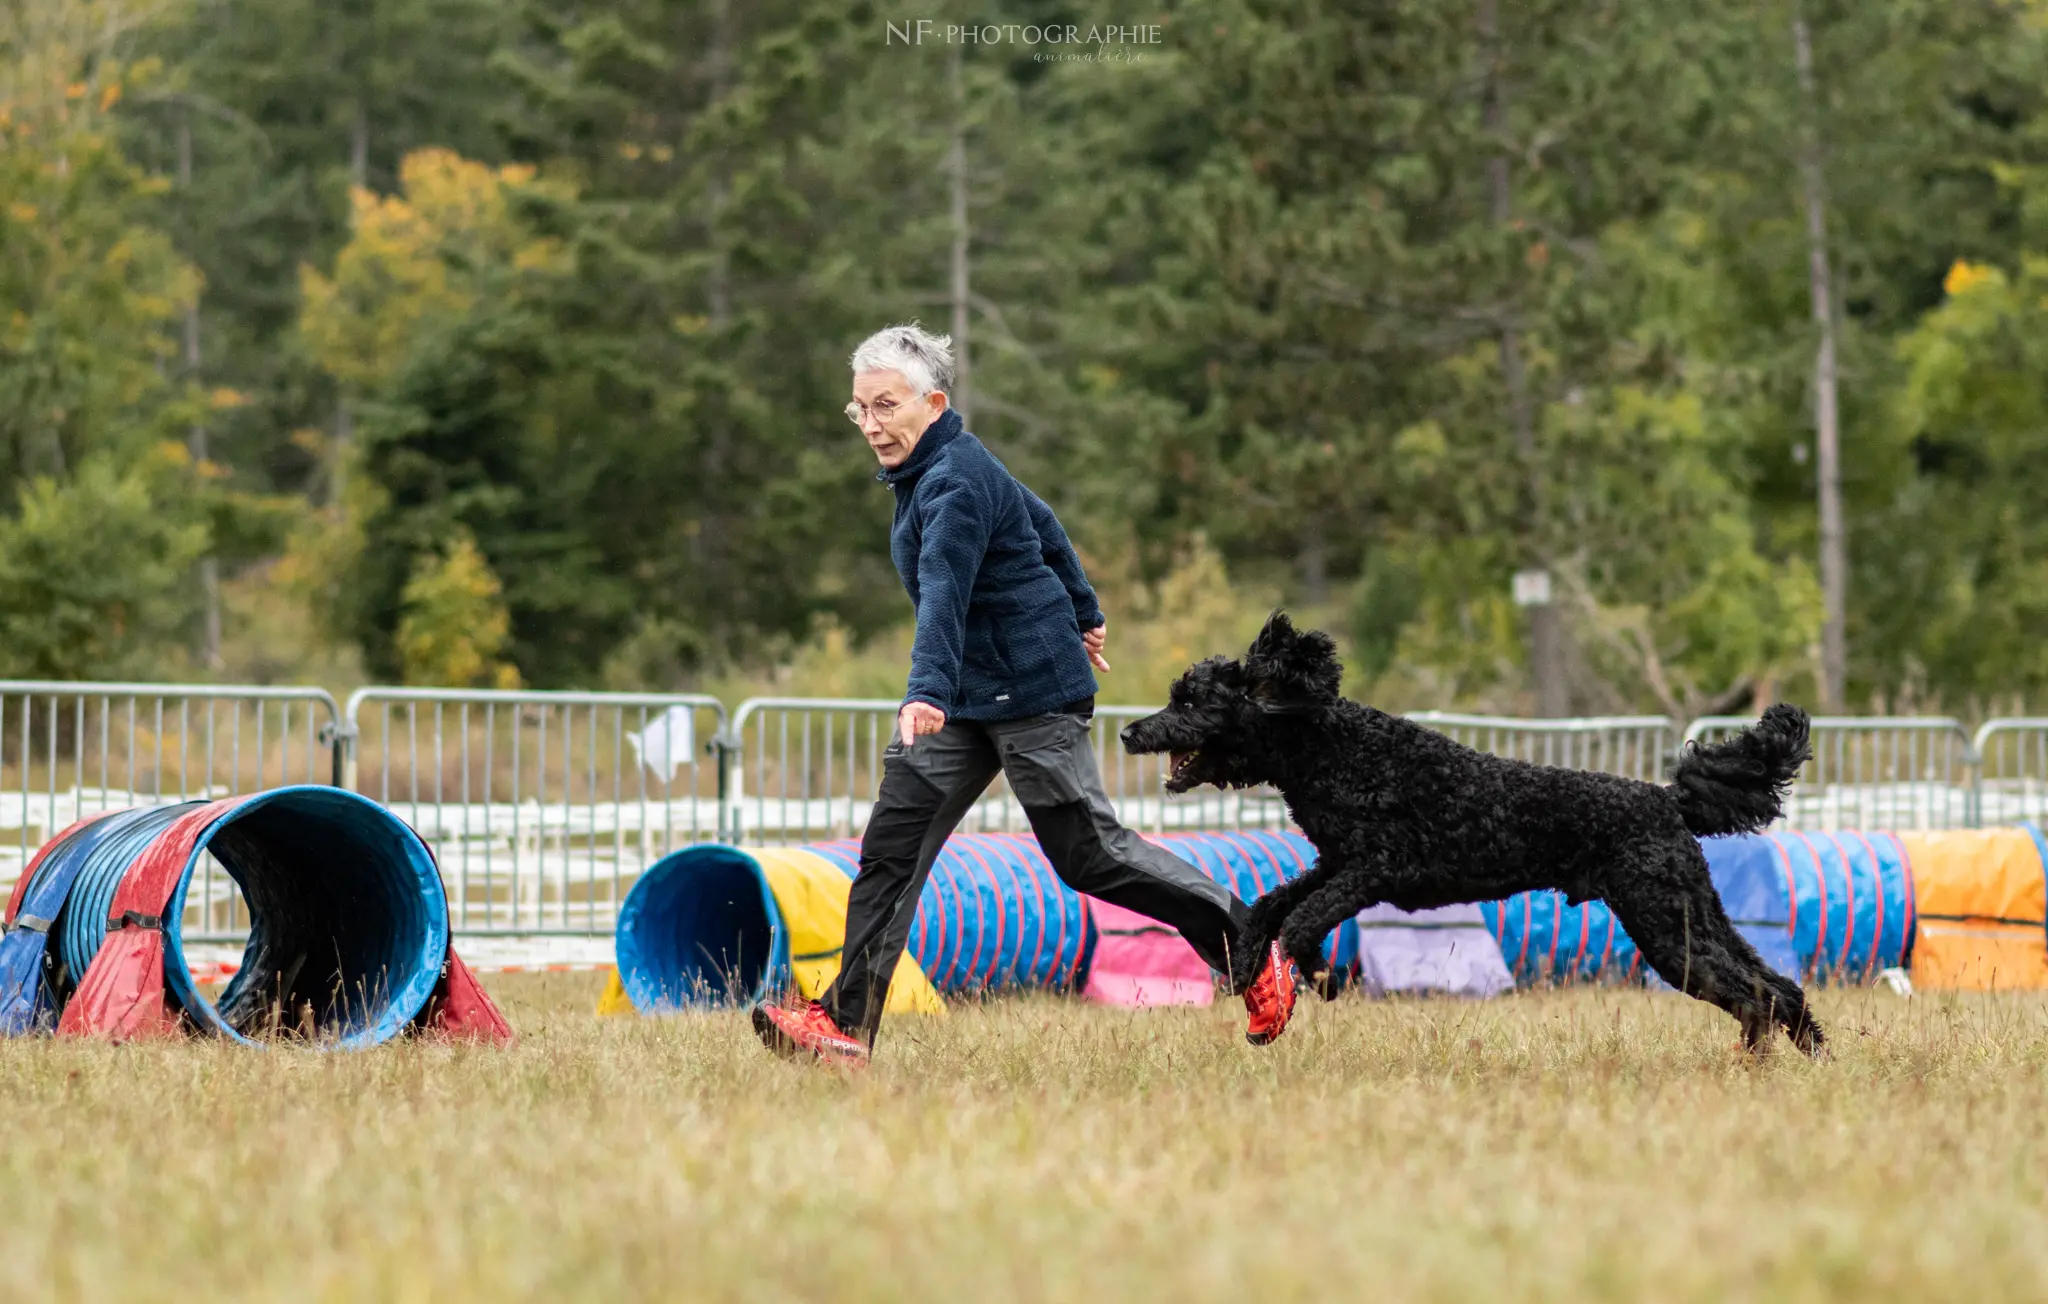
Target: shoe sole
[1265, 1038]
[770, 1035]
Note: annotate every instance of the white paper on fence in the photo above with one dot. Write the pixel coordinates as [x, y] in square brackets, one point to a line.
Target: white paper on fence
[665, 745]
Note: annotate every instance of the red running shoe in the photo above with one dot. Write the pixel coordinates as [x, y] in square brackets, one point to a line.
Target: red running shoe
[1270, 998]
[807, 1030]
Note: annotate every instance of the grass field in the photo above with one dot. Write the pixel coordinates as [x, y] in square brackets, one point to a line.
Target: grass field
[1592, 1145]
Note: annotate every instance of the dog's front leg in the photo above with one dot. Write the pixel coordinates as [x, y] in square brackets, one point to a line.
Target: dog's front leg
[1358, 883]
[1268, 915]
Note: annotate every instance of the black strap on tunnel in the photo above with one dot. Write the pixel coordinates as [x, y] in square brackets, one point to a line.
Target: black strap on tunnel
[30, 924]
[135, 917]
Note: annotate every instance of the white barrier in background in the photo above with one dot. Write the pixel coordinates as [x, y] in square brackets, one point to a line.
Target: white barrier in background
[544, 808]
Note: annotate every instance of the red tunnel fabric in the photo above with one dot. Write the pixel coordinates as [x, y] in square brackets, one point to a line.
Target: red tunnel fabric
[122, 994]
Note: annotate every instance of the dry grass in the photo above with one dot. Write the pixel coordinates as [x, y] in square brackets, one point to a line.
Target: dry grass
[1581, 1146]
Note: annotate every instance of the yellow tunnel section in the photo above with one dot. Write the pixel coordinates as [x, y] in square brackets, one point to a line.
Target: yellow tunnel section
[714, 925]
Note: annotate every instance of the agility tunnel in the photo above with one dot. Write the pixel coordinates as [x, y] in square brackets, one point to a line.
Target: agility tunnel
[1983, 903]
[1822, 907]
[715, 925]
[1449, 950]
[348, 940]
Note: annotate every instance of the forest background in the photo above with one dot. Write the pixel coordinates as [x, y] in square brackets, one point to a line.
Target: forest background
[478, 343]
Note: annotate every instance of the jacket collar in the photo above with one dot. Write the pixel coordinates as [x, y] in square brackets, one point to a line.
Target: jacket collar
[934, 439]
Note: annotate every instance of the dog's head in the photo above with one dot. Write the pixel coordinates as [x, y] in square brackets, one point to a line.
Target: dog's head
[1215, 717]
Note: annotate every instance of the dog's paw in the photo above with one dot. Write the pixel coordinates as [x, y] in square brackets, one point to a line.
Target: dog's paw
[1323, 982]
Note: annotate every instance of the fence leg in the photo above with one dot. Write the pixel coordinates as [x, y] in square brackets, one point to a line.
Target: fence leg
[341, 745]
[726, 750]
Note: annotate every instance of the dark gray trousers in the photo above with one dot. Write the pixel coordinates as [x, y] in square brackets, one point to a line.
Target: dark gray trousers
[929, 787]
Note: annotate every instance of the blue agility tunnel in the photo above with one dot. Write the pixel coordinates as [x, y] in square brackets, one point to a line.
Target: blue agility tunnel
[46, 948]
[712, 925]
[1824, 907]
[1254, 862]
[1544, 940]
[992, 915]
[348, 932]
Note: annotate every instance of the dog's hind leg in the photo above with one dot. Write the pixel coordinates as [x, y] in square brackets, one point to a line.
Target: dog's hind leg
[1665, 898]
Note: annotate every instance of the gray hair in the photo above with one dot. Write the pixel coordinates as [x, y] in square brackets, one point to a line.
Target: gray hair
[925, 360]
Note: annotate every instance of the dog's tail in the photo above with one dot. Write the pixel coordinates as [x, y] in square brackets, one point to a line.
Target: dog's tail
[1739, 785]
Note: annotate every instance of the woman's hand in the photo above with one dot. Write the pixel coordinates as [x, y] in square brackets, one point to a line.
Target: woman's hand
[1092, 640]
[918, 718]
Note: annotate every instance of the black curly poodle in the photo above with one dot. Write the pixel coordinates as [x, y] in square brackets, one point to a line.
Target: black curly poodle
[1402, 814]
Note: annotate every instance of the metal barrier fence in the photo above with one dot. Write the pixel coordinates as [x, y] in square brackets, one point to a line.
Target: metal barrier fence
[2012, 770]
[1875, 772]
[542, 808]
[806, 770]
[70, 750]
[1635, 746]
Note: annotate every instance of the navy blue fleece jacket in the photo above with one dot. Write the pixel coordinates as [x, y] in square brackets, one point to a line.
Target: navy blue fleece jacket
[1000, 596]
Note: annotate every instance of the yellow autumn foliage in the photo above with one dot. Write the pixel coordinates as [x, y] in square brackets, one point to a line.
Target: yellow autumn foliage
[418, 260]
[1963, 276]
[454, 626]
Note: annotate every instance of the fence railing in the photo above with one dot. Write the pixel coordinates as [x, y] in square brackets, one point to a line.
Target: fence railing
[2012, 774]
[544, 808]
[70, 750]
[1875, 772]
[1635, 746]
[806, 770]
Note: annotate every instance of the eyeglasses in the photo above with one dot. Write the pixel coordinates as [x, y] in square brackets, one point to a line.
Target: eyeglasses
[881, 410]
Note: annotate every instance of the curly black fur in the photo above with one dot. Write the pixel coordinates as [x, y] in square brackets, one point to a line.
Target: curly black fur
[1739, 786]
[1402, 814]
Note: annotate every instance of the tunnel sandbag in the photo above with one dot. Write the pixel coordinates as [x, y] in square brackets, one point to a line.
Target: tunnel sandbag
[461, 1010]
[348, 934]
[1820, 907]
[713, 925]
[1983, 909]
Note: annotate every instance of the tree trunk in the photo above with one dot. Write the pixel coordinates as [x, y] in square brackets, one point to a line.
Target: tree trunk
[707, 546]
[196, 441]
[1834, 562]
[1546, 643]
[718, 288]
[359, 145]
[1315, 563]
[344, 409]
[956, 171]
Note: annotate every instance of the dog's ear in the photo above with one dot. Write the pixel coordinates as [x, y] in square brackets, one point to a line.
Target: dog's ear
[1275, 639]
[1289, 665]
